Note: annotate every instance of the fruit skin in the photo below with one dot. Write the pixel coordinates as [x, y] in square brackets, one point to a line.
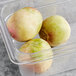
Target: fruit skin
[55, 30]
[25, 24]
[40, 48]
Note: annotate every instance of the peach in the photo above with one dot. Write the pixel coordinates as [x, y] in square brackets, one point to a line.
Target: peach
[25, 24]
[55, 30]
[40, 50]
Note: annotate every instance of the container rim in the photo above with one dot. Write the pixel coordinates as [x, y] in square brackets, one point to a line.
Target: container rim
[6, 2]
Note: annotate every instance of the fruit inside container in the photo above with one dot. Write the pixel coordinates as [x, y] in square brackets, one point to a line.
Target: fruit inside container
[61, 53]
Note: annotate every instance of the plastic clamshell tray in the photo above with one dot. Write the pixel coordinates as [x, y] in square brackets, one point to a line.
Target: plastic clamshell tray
[64, 55]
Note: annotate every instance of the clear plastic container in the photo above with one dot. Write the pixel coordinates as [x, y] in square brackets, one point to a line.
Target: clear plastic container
[64, 55]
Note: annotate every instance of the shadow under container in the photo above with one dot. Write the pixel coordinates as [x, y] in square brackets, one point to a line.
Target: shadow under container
[64, 58]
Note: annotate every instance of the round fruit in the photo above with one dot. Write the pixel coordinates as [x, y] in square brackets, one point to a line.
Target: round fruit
[25, 24]
[38, 50]
[55, 30]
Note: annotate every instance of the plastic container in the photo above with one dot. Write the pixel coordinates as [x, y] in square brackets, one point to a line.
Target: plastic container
[64, 55]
